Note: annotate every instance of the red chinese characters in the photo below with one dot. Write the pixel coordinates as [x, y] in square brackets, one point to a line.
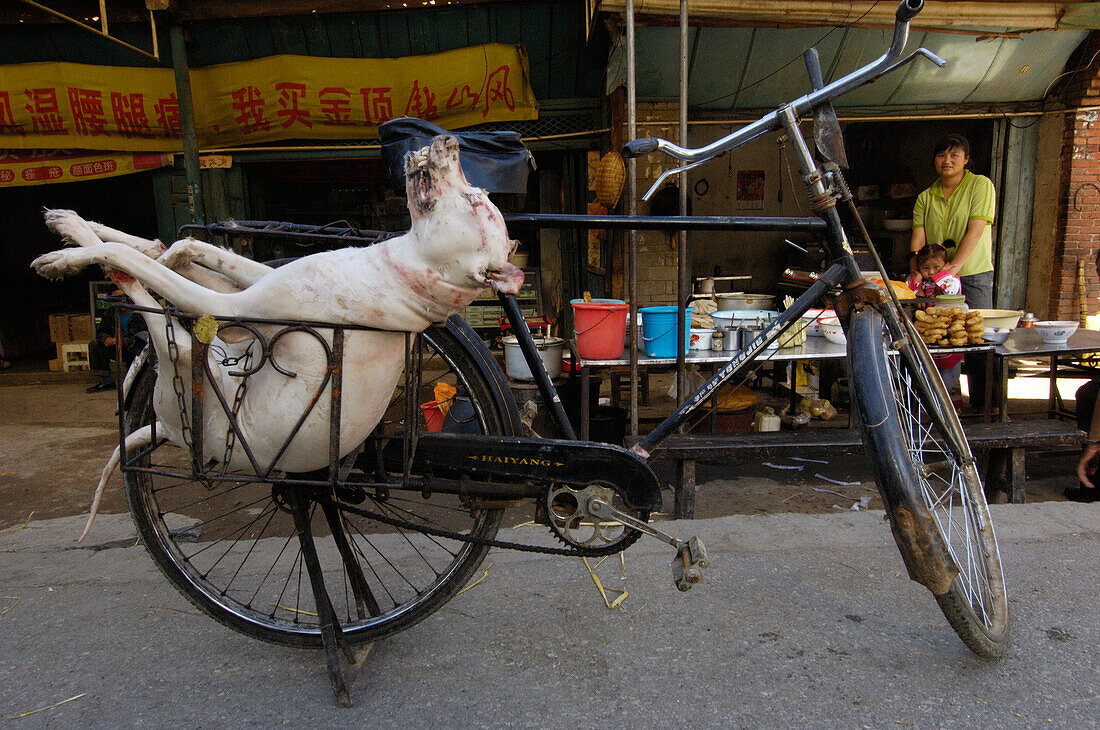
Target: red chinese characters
[421, 103]
[460, 96]
[335, 104]
[249, 107]
[98, 167]
[129, 114]
[89, 118]
[45, 111]
[497, 91]
[44, 172]
[377, 104]
[7, 120]
[168, 116]
[289, 97]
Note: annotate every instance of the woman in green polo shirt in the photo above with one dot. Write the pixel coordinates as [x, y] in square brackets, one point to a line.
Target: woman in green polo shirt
[959, 207]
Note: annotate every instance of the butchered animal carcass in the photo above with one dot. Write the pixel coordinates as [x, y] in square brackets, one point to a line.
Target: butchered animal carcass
[457, 246]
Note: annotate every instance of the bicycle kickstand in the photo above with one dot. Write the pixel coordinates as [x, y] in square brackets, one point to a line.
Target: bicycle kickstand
[332, 636]
[691, 556]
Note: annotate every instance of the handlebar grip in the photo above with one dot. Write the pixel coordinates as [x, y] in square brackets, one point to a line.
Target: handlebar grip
[908, 10]
[639, 147]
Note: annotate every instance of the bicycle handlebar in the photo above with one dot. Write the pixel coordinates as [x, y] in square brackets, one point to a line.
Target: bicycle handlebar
[907, 10]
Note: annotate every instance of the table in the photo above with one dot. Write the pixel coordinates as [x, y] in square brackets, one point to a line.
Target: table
[1026, 342]
[814, 348]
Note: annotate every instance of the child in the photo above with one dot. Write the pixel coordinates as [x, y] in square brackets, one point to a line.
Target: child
[931, 280]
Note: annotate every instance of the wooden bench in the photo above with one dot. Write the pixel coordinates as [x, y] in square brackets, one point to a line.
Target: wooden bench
[1002, 445]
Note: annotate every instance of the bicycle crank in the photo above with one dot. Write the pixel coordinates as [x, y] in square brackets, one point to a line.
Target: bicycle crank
[691, 556]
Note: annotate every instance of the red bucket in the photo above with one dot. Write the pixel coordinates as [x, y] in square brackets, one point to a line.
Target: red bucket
[600, 329]
[433, 417]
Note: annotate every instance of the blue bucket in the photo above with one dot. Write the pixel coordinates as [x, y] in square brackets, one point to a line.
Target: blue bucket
[659, 330]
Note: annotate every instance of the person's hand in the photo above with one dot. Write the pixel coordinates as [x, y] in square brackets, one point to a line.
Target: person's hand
[952, 268]
[109, 342]
[1087, 464]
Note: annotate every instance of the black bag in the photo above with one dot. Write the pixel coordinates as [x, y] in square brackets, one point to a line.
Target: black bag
[496, 161]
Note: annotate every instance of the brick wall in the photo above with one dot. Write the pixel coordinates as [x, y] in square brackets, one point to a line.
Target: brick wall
[1077, 233]
[656, 250]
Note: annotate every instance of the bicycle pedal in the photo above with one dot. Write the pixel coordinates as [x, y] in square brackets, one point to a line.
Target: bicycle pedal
[688, 565]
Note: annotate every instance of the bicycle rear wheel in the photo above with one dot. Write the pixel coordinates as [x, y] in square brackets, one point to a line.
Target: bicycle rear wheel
[920, 456]
[232, 550]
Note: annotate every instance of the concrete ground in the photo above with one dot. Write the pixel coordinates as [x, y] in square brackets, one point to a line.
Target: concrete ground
[806, 620]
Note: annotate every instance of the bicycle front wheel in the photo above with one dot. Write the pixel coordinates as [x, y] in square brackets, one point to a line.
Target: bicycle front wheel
[231, 547]
[918, 450]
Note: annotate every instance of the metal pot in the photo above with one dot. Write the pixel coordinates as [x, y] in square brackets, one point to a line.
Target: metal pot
[731, 339]
[741, 300]
[550, 351]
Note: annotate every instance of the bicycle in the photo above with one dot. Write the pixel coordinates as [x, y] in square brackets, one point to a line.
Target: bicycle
[390, 532]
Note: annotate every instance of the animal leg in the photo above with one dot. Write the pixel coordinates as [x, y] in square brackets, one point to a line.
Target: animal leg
[151, 248]
[74, 230]
[243, 272]
[182, 292]
[135, 440]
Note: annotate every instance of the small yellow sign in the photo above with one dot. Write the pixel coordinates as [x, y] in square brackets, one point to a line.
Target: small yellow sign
[39, 167]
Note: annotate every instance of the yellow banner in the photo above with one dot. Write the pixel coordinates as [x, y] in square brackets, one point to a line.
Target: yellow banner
[69, 105]
[39, 167]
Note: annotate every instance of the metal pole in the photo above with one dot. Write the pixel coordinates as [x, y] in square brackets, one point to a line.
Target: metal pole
[187, 124]
[681, 236]
[632, 209]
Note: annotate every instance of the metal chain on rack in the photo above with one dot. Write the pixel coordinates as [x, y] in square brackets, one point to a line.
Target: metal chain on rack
[177, 380]
[238, 399]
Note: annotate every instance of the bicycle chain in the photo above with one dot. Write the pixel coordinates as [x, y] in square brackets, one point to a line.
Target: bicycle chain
[489, 542]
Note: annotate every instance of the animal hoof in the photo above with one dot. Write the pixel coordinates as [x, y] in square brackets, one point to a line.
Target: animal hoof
[57, 216]
[54, 265]
[177, 256]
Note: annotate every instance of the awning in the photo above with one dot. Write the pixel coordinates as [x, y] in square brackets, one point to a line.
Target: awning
[979, 16]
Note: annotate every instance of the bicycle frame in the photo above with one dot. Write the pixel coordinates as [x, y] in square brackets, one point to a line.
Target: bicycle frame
[843, 271]
[821, 184]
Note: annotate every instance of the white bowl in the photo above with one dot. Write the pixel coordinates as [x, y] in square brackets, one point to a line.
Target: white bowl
[1055, 332]
[833, 331]
[742, 317]
[997, 335]
[813, 318]
[999, 318]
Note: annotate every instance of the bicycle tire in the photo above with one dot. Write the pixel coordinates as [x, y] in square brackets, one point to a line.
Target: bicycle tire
[912, 437]
[245, 539]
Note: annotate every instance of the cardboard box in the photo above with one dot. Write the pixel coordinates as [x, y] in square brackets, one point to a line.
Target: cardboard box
[71, 327]
[59, 328]
[81, 328]
[55, 365]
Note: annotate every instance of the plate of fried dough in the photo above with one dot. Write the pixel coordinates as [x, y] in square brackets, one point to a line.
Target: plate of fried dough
[949, 326]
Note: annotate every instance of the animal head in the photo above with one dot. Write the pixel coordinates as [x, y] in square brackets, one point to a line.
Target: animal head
[460, 232]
